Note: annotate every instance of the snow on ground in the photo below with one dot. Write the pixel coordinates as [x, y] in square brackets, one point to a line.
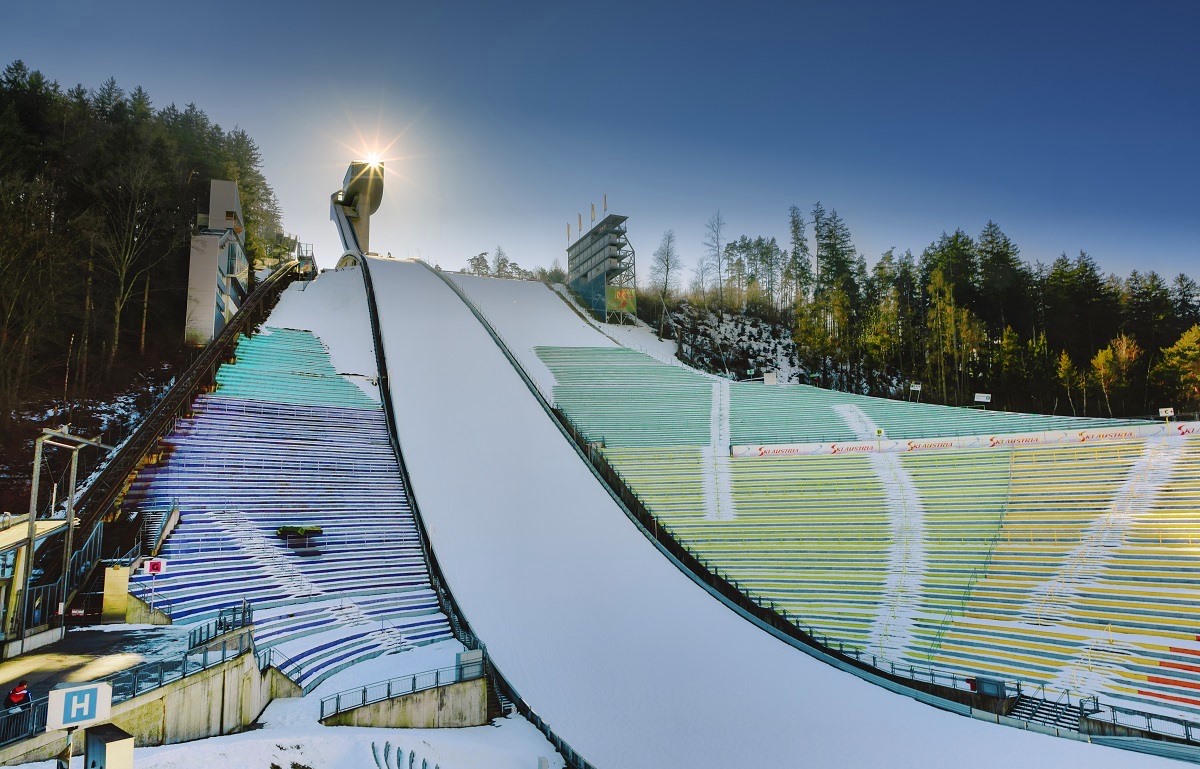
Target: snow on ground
[334, 307]
[508, 743]
[636, 334]
[896, 616]
[642, 338]
[151, 642]
[533, 312]
[512, 743]
[622, 654]
[291, 732]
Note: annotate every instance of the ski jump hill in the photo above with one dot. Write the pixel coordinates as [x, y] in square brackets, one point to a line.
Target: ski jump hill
[612, 644]
[461, 442]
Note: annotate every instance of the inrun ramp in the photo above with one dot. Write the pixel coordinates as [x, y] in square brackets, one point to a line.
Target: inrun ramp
[615, 648]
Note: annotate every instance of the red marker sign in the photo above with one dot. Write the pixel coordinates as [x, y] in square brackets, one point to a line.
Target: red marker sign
[156, 566]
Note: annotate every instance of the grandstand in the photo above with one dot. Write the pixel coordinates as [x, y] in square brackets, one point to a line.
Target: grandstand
[1055, 566]
[627, 398]
[286, 441]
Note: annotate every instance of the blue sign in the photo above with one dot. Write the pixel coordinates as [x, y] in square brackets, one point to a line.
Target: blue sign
[78, 704]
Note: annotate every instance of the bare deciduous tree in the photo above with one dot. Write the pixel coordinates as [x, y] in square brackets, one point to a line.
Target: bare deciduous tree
[665, 266]
[714, 237]
[134, 235]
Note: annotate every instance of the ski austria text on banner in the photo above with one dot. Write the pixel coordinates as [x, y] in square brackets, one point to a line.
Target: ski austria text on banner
[1011, 440]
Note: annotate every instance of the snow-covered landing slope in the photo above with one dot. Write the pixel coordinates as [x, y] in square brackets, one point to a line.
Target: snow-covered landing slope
[623, 655]
[532, 314]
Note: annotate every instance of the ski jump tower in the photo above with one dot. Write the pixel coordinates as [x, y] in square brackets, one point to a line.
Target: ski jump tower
[351, 206]
[600, 268]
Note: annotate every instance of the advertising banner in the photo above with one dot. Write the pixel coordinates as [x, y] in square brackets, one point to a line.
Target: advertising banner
[621, 299]
[995, 441]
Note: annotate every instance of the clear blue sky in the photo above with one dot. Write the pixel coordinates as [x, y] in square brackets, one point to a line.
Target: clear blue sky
[1073, 125]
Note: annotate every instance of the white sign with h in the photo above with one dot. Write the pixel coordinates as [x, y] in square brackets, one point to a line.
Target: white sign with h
[73, 705]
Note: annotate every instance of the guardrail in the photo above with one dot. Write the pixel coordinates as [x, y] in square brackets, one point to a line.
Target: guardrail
[284, 664]
[126, 684]
[398, 687]
[1168, 726]
[227, 621]
[149, 596]
[24, 722]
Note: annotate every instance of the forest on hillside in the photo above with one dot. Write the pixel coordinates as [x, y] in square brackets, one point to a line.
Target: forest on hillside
[99, 192]
[966, 315]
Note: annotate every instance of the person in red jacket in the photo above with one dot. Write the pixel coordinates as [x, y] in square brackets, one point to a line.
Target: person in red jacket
[19, 696]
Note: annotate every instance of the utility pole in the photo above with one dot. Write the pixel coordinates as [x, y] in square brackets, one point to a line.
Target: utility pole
[63, 439]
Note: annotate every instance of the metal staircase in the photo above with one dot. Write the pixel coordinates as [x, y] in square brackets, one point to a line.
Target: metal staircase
[1059, 715]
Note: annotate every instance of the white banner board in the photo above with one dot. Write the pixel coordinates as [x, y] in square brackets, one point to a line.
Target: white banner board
[74, 705]
[997, 441]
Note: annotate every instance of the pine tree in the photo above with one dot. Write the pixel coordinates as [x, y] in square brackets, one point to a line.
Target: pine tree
[954, 256]
[1185, 301]
[1004, 283]
[478, 264]
[501, 268]
[799, 262]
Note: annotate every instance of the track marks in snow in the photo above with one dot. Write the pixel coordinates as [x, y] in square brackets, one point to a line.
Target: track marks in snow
[892, 630]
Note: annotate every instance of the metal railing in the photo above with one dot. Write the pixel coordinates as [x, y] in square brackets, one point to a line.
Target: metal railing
[1154, 723]
[398, 687]
[41, 608]
[272, 657]
[24, 722]
[227, 621]
[85, 558]
[149, 676]
[203, 545]
[126, 684]
[146, 593]
[108, 483]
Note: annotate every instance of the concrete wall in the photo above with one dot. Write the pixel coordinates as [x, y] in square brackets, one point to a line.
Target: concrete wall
[223, 197]
[202, 288]
[35, 641]
[116, 595]
[225, 698]
[137, 612]
[453, 705]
